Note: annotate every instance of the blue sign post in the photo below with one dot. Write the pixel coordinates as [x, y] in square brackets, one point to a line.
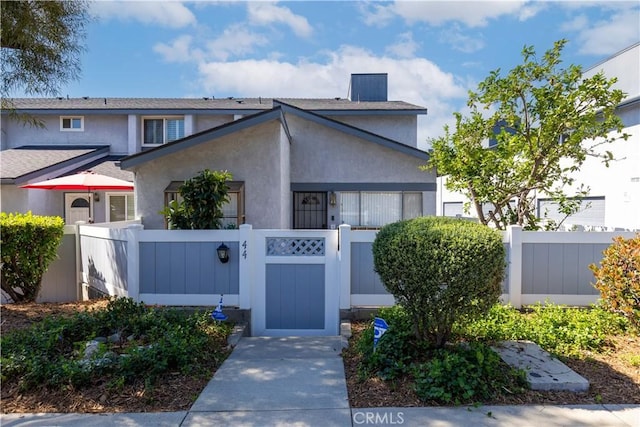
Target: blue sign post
[379, 328]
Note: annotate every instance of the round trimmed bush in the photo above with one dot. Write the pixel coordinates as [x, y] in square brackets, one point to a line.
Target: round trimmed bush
[441, 270]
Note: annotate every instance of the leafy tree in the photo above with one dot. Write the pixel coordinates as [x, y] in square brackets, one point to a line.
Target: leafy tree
[203, 197]
[40, 43]
[545, 121]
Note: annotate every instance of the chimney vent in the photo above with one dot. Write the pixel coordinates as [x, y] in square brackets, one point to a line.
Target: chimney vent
[369, 87]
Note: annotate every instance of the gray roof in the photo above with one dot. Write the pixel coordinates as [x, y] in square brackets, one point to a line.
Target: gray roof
[109, 166]
[276, 113]
[22, 163]
[206, 104]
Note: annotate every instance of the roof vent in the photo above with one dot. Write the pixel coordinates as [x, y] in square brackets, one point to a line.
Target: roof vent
[369, 87]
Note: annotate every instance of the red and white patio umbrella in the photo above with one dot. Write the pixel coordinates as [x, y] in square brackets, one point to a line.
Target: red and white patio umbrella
[84, 181]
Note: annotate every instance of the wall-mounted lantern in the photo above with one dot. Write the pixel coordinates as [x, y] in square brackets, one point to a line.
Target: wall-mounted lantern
[223, 253]
[332, 198]
[96, 197]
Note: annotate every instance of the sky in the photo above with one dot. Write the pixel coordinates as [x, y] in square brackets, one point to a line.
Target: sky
[434, 52]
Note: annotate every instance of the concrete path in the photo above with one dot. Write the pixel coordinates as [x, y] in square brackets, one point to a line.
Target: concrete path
[300, 382]
[270, 381]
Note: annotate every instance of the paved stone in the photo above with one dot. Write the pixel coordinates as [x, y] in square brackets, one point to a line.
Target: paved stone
[630, 414]
[270, 384]
[278, 373]
[498, 416]
[163, 419]
[544, 372]
[287, 348]
[309, 417]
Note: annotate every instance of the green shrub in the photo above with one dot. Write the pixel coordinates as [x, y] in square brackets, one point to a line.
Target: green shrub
[465, 373]
[29, 244]
[618, 278]
[561, 330]
[440, 270]
[396, 350]
[154, 341]
[203, 197]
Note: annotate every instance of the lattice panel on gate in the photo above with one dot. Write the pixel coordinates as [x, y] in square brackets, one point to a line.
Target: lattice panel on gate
[290, 246]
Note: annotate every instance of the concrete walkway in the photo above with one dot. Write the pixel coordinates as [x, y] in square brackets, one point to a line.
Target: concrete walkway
[271, 381]
[297, 381]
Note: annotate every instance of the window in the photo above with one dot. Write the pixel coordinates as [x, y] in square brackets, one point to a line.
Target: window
[72, 123]
[233, 212]
[120, 207]
[591, 212]
[160, 130]
[375, 209]
[453, 209]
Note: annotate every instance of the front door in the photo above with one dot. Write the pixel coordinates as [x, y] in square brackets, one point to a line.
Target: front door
[77, 207]
[310, 210]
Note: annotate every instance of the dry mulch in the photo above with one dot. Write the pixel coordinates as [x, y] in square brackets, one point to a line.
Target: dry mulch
[612, 377]
[174, 392]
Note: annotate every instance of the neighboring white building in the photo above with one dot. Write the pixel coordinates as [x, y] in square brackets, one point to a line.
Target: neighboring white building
[614, 196]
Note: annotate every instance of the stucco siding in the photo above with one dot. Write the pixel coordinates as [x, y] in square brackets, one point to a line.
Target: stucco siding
[285, 181]
[625, 66]
[98, 130]
[252, 155]
[204, 122]
[13, 199]
[321, 154]
[402, 129]
[39, 202]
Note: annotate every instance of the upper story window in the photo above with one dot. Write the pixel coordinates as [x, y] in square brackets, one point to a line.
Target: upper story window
[72, 123]
[160, 130]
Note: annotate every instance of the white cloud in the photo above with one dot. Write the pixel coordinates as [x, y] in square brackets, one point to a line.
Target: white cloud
[470, 13]
[179, 50]
[236, 40]
[405, 47]
[170, 14]
[578, 23]
[608, 37]
[268, 13]
[415, 80]
[460, 40]
[375, 14]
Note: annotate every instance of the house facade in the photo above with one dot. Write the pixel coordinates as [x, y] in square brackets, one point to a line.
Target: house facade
[614, 196]
[296, 163]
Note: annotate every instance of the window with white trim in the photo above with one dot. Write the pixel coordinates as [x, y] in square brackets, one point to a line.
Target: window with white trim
[160, 130]
[72, 123]
[371, 209]
[120, 207]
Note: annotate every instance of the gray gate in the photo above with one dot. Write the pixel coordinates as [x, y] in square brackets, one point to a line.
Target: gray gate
[294, 291]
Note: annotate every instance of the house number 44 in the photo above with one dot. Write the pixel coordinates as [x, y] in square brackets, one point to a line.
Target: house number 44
[244, 249]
